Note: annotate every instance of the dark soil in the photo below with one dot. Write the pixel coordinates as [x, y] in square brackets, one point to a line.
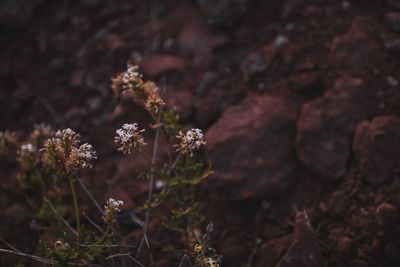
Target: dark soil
[313, 184]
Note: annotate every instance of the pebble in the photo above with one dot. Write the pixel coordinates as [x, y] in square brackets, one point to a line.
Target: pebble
[392, 81]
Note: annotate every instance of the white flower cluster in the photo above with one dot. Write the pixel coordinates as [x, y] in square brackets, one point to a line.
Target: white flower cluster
[27, 148]
[84, 154]
[194, 137]
[26, 154]
[114, 204]
[67, 133]
[131, 77]
[129, 138]
[192, 140]
[111, 210]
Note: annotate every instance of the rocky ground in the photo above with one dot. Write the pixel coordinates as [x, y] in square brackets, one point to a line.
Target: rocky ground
[299, 101]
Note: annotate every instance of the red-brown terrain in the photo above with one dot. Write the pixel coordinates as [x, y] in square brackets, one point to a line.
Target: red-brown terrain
[299, 100]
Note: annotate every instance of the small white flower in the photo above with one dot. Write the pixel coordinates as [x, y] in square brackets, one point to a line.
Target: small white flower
[29, 148]
[66, 133]
[111, 209]
[129, 138]
[131, 77]
[83, 155]
[115, 204]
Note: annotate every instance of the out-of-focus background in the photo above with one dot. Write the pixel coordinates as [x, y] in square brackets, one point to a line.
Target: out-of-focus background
[299, 100]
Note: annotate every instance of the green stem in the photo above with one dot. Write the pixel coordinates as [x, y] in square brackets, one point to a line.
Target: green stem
[76, 207]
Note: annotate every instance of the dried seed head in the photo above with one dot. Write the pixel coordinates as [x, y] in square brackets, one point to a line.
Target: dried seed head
[111, 210]
[198, 248]
[210, 262]
[129, 138]
[144, 94]
[64, 152]
[61, 246]
[130, 79]
[81, 157]
[192, 140]
[153, 102]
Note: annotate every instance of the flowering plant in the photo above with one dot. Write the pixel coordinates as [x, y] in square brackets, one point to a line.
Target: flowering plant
[48, 159]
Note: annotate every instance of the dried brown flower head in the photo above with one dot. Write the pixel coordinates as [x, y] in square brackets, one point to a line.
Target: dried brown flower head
[111, 210]
[64, 152]
[130, 79]
[144, 94]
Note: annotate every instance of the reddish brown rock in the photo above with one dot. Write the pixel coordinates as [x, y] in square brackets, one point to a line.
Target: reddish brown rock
[304, 250]
[360, 47]
[326, 127]
[251, 146]
[377, 147]
[182, 102]
[157, 64]
[272, 251]
[197, 39]
[387, 215]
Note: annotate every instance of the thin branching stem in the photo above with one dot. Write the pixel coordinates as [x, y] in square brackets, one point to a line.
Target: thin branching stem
[76, 207]
[33, 257]
[151, 189]
[59, 216]
[93, 223]
[182, 260]
[82, 184]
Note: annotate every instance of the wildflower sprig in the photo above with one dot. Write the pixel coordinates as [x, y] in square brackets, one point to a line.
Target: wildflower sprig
[49, 159]
[183, 172]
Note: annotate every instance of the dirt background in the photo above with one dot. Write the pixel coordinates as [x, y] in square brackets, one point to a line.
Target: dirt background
[299, 101]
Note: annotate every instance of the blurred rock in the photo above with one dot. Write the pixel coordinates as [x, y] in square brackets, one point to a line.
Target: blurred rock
[91, 3]
[392, 251]
[115, 42]
[376, 146]
[395, 4]
[272, 251]
[345, 246]
[17, 11]
[338, 203]
[253, 63]
[251, 146]
[326, 127]
[392, 20]
[359, 47]
[387, 215]
[304, 250]
[223, 11]
[182, 102]
[197, 39]
[393, 45]
[157, 64]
